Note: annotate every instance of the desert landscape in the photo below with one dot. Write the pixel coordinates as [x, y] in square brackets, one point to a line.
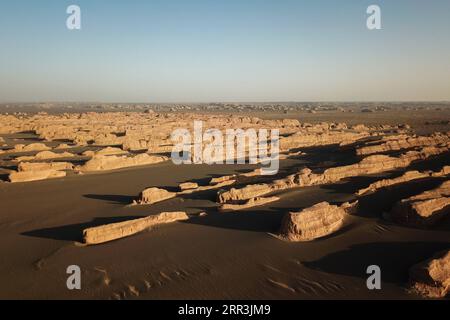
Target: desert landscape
[93, 185]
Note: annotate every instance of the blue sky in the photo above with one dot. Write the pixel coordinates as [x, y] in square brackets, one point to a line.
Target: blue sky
[224, 50]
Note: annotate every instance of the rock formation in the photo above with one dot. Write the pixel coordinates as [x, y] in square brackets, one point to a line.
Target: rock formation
[406, 177]
[425, 209]
[315, 222]
[305, 177]
[154, 195]
[27, 176]
[29, 148]
[43, 166]
[45, 155]
[404, 143]
[188, 186]
[254, 202]
[102, 163]
[431, 278]
[114, 231]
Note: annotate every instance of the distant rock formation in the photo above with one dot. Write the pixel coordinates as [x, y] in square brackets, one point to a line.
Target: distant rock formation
[431, 278]
[425, 209]
[28, 148]
[406, 177]
[314, 222]
[114, 231]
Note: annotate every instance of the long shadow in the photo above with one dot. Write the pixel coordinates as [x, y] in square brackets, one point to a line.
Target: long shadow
[73, 232]
[394, 259]
[255, 221]
[384, 199]
[111, 198]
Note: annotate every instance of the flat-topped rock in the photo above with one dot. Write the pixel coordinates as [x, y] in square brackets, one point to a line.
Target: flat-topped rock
[114, 231]
[425, 209]
[43, 166]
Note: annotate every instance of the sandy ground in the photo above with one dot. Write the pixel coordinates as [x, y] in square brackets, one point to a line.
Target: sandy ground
[220, 256]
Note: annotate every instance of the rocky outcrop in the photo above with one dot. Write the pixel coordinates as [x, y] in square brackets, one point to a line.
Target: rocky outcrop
[103, 163]
[303, 139]
[114, 231]
[43, 166]
[425, 209]
[315, 222]
[305, 177]
[404, 143]
[45, 155]
[406, 177]
[188, 186]
[29, 148]
[155, 195]
[108, 151]
[27, 176]
[431, 278]
[254, 202]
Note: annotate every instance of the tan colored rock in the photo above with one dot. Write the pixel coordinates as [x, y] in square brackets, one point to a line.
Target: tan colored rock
[315, 222]
[114, 231]
[44, 166]
[27, 176]
[406, 177]
[431, 278]
[46, 155]
[108, 151]
[425, 209]
[154, 195]
[102, 163]
[303, 139]
[245, 193]
[188, 186]
[404, 143]
[222, 179]
[209, 187]
[254, 202]
[63, 146]
[29, 148]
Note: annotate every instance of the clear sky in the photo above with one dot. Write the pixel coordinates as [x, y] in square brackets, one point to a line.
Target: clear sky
[224, 50]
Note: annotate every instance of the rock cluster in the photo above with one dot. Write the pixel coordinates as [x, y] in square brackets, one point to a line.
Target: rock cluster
[27, 176]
